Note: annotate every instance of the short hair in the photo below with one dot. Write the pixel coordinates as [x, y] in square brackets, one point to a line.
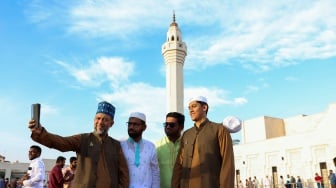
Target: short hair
[38, 148]
[180, 117]
[204, 103]
[60, 158]
[72, 159]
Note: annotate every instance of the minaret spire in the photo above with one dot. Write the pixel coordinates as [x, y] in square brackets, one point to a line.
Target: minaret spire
[174, 20]
[173, 16]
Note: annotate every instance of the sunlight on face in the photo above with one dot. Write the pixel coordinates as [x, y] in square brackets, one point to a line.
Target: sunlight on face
[102, 123]
[197, 111]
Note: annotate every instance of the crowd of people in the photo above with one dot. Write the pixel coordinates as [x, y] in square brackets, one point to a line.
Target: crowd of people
[289, 181]
[200, 157]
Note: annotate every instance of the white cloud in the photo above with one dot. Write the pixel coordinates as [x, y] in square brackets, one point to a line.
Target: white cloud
[105, 69]
[239, 101]
[269, 35]
[261, 34]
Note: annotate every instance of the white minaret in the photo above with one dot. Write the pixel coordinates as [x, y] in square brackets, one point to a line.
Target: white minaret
[174, 51]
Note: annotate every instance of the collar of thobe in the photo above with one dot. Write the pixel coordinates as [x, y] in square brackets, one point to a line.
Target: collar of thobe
[202, 124]
[174, 143]
[137, 151]
[99, 137]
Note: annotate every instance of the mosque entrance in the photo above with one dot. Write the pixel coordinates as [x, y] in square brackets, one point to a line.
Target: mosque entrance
[324, 173]
[275, 176]
[237, 177]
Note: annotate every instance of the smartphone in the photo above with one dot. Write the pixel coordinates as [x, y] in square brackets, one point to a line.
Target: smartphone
[35, 113]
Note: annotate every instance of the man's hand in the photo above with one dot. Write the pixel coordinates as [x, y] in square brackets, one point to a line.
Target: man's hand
[24, 177]
[35, 130]
[68, 176]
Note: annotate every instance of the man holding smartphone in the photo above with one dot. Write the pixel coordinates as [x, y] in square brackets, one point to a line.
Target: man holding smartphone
[101, 162]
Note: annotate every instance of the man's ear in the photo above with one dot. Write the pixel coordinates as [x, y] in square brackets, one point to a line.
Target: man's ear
[112, 123]
[205, 108]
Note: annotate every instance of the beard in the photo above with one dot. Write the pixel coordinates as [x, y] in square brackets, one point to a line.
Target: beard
[101, 131]
[134, 135]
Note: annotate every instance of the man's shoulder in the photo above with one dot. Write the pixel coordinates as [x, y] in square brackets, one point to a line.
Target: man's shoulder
[148, 142]
[114, 140]
[191, 129]
[214, 124]
[160, 142]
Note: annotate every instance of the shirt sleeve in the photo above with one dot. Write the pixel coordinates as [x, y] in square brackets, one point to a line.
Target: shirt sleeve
[155, 169]
[123, 171]
[226, 149]
[63, 144]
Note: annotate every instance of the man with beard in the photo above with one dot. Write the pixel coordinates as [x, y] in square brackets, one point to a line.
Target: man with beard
[70, 169]
[140, 154]
[168, 147]
[56, 177]
[101, 162]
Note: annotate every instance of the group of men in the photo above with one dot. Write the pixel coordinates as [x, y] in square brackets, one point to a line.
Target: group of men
[201, 157]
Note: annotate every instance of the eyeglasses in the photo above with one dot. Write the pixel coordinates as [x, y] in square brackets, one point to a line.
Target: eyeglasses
[170, 124]
[133, 124]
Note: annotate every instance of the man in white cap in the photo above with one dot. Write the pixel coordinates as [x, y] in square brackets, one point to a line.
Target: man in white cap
[100, 160]
[206, 157]
[140, 154]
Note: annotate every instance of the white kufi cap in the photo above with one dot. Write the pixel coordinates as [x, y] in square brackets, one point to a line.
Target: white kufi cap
[138, 115]
[198, 98]
[232, 123]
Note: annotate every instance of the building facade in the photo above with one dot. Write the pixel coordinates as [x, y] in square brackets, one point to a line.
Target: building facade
[297, 146]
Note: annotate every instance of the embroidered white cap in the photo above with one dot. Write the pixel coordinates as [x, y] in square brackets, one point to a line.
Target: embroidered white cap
[232, 123]
[198, 98]
[138, 115]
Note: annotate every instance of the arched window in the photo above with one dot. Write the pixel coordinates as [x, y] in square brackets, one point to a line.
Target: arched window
[172, 37]
[178, 38]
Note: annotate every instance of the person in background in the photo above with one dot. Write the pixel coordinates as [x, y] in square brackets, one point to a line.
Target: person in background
[267, 183]
[70, 169]
[101, 162]
[2, 182]
[36, 171]
[167, 148]
[299, 182]
[288, 181]
[332, 179]
[281, 182]
[256, 182]
[6, 182]
[205, 158]
[140, 154]
[13, 182]
[56, 178]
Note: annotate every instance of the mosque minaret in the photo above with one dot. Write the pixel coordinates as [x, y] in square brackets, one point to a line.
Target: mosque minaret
[174, 51]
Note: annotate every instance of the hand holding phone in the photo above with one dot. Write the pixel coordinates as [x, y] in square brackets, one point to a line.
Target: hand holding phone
[35, 114]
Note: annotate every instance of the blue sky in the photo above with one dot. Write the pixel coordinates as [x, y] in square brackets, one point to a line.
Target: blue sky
[249, 58]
